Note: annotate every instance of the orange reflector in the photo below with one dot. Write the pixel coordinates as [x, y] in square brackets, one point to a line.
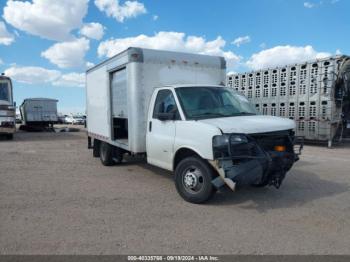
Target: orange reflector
[280, 148]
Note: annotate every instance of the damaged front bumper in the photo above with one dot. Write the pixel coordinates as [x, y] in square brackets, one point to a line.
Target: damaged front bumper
[258, 164]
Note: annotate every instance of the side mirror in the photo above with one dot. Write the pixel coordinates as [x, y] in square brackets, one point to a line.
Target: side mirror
[165, 116]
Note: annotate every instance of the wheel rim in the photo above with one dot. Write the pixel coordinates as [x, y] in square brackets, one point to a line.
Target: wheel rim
[193, 180]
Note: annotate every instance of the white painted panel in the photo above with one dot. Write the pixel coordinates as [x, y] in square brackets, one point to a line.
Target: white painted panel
[98, 102]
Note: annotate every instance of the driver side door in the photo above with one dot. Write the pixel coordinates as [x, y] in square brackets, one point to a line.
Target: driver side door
[161, 131]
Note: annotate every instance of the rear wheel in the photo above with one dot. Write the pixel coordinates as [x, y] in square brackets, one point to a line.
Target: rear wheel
[106, 154]
[117, 155]
[193, 178]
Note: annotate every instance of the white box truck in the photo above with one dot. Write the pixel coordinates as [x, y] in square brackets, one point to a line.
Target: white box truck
[174, 108]
[38, 113]
[7, 108]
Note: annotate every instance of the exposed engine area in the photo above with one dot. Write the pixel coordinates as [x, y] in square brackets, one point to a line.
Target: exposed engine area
[258, 159]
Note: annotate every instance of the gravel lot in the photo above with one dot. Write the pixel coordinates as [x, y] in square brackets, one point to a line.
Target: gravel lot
[55, 198]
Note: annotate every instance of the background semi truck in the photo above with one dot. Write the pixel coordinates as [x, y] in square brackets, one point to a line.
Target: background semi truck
[316, 94]
[174, 109]
[7, 108]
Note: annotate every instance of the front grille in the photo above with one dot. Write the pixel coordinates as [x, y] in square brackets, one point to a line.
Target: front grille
[7, 124]
[246, 149]
[268, 141]
[4, 107]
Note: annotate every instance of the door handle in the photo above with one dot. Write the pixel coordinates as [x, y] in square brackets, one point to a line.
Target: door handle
[150, 126]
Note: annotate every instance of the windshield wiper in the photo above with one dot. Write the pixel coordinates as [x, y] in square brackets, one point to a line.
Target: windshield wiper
[209, 114]
[247, 113]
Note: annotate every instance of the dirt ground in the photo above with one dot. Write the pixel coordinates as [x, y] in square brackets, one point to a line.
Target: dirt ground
[55, 198]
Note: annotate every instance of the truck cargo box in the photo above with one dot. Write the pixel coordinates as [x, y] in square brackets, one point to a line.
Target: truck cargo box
[118, 90]
[39, 111]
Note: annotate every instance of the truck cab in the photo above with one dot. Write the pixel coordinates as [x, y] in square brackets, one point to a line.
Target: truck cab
[7, 108]
[211, 136]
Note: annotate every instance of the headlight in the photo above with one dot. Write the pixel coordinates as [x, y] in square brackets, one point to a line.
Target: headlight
[238, 139]
[221, 143]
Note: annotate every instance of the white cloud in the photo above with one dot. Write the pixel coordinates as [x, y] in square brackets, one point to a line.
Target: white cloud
[1, 62]
[282, 55]
[39, 75]
[338, 52]
[46, 18]
[121, 12]
[71, 80]
[89, 64]
[5, 37]
[32, 74]
[172, 41]
[155, 18]
[93, 31]
[241, 40]
[68, 54]
[308, 5]
[262, 45]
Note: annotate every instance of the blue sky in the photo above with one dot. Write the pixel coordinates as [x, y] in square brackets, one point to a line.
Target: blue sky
[45, 50]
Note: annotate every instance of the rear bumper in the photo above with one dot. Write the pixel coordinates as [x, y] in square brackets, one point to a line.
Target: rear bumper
[267, 168]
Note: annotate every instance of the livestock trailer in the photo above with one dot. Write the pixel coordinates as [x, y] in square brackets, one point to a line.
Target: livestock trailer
[316, 94]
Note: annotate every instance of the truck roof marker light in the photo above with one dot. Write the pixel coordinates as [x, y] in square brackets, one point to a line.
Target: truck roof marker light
[279, 148]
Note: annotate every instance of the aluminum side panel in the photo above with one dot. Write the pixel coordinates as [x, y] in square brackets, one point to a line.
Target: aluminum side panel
[98, 102]
[39, 110]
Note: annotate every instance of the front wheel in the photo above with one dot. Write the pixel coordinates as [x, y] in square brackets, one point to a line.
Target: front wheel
[193, 178]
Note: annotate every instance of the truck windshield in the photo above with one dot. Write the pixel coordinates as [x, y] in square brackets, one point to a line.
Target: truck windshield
[4, 91]
[213, 102]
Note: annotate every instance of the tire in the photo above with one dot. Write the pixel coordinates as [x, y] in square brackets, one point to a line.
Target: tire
[117, 155]
[96, 148]
[106, 154]
[9, 136]
[195, 171]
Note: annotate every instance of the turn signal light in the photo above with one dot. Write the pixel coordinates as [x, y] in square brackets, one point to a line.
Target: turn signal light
[280, 148]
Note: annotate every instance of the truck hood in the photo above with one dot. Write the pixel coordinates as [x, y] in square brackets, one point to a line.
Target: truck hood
[250, 124]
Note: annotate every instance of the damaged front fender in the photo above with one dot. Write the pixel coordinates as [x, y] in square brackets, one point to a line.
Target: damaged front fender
[246, 173]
